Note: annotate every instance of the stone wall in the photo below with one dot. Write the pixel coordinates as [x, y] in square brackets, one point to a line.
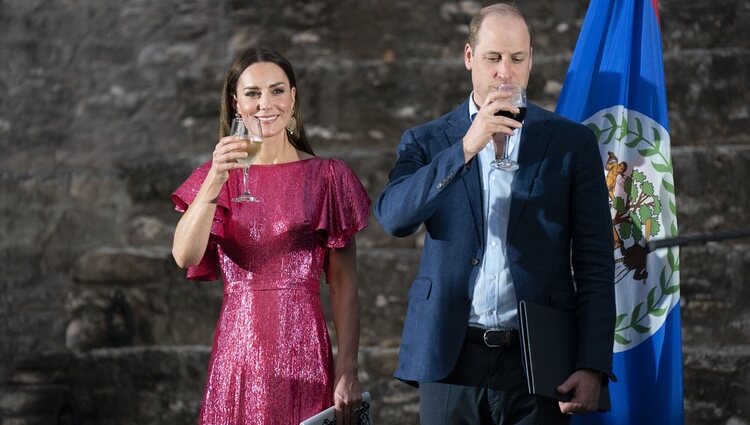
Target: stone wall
[105, 107]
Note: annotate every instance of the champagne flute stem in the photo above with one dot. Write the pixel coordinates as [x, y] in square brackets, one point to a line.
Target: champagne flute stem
[506, 154]
[244, 178]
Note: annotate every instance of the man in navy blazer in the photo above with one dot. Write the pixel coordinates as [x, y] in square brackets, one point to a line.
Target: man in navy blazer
[495, 237]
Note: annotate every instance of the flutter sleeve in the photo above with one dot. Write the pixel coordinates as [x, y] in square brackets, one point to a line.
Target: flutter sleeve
[182, 197]
[345, 207]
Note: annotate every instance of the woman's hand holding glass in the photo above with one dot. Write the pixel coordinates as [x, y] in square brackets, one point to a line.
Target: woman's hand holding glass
[250, 132]
[232, 152]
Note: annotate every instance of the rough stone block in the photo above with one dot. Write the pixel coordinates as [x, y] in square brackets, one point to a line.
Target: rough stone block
[139, 385]
[385, 276]
[712, 193]
[688, 25]
[124, 265]
[179, 311]
[156, 178]
[393, 401]
[713, 369]
[34, 399]
[712, 279]
[702, 87]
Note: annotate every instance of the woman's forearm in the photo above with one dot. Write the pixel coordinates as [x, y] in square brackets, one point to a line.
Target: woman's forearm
[194, 228]
[342, 282]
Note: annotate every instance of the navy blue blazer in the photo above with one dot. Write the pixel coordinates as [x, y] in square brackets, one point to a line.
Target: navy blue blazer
[559, 226]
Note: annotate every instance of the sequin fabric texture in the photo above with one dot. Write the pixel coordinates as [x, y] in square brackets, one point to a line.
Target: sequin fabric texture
[271, 360]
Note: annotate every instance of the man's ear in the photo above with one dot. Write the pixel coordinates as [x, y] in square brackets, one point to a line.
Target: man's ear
[468, 56]
[531, 57]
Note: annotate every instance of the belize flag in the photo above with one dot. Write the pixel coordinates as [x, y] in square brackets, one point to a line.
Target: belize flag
[615, 85]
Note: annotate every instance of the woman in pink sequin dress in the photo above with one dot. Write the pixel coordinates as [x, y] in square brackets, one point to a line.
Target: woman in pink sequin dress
[271, 360]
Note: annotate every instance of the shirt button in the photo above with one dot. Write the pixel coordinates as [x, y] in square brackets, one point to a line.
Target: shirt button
[493, 243]
[474, 261]
[492, 277]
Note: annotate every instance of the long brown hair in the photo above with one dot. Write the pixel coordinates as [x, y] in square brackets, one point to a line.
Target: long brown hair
[247, 57]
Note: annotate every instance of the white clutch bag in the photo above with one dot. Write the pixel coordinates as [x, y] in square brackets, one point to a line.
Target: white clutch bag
[328, 416]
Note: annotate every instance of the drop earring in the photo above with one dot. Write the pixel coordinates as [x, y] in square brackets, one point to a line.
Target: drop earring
[291, 126]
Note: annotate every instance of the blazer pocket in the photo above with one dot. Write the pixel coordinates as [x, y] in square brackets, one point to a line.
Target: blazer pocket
[421, 288]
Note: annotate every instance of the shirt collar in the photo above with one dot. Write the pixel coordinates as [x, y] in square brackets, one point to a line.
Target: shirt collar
[473, 108]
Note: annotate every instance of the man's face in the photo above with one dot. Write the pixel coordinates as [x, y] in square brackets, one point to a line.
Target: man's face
[502, 55]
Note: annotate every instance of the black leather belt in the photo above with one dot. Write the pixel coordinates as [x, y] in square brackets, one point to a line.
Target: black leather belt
[492, 338]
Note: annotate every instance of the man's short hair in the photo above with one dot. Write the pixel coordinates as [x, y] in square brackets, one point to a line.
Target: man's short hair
[499, 9]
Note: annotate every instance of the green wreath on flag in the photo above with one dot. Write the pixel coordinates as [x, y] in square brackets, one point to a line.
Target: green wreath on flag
[639, 189]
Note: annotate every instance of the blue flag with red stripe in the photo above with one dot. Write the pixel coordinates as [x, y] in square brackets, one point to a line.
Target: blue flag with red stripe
[615, 85]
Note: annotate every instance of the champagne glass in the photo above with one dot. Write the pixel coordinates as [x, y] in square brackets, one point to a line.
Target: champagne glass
[250, 131]
[518, 99]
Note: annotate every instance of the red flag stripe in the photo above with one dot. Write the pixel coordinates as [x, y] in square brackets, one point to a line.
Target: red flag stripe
[656, 10]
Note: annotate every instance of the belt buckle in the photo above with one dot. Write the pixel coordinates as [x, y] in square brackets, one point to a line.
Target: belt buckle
[487, 343]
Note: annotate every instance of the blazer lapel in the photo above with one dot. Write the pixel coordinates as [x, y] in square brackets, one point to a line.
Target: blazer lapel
[535, 139]
[458, 125]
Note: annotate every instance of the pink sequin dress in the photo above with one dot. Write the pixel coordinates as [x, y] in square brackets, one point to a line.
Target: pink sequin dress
[271, 360]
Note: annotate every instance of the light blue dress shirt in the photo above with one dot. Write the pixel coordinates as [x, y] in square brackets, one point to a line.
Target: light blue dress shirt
[493, 303]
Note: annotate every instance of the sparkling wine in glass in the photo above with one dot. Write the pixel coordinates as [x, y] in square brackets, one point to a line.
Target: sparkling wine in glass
[518, 99]
[250, 131]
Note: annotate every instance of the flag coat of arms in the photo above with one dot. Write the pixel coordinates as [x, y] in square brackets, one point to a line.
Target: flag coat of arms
[615, 85]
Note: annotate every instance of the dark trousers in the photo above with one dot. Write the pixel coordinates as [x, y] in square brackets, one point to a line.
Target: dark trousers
[487, 386]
